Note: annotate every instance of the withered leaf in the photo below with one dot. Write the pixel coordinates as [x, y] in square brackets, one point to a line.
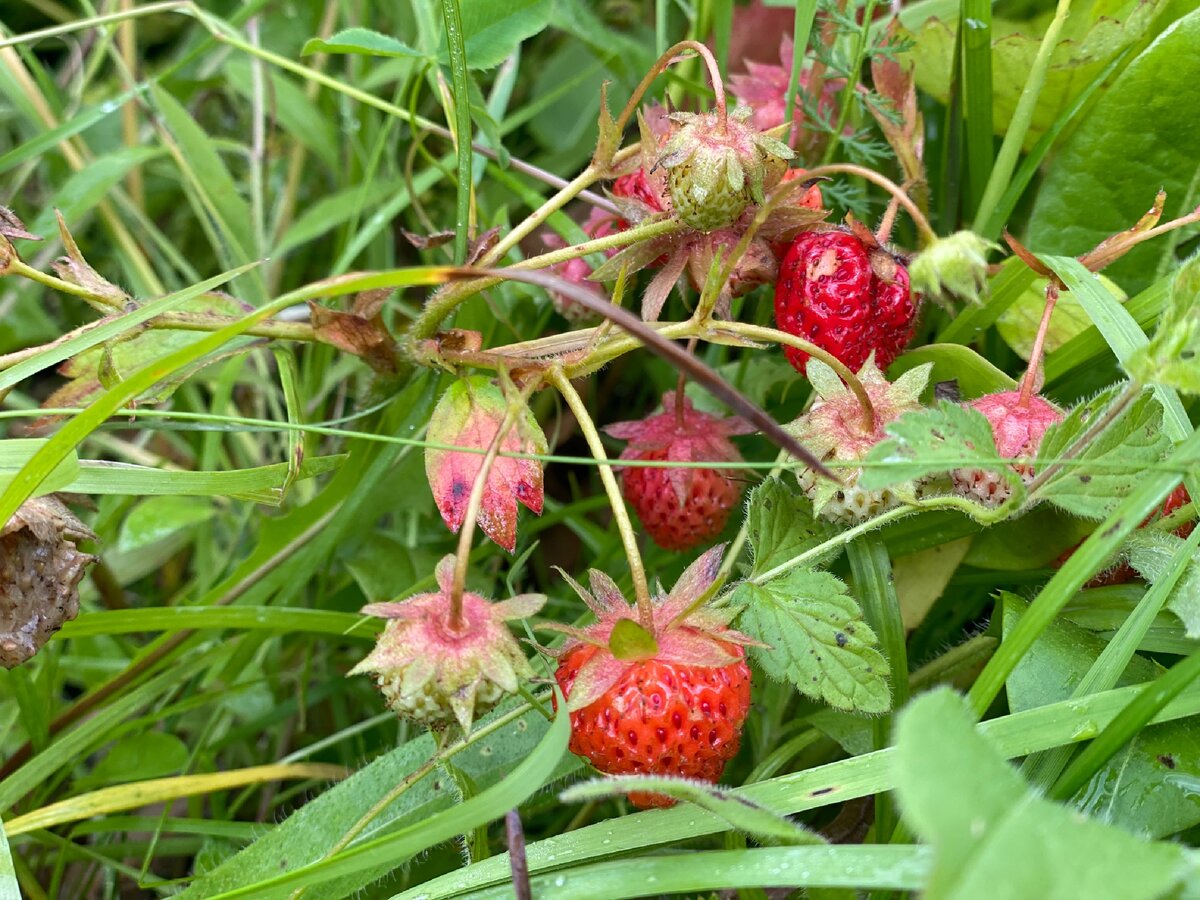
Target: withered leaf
[365, 338]
[40, 571]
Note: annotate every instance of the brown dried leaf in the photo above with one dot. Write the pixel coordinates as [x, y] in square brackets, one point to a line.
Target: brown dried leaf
[365, 338]
[427, 241]
[12, 227]
[75, 269]
[482, 244]
[40, 571]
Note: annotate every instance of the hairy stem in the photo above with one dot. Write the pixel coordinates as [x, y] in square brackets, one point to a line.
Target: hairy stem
[641, 587]
[660, 66]
[1029, 382]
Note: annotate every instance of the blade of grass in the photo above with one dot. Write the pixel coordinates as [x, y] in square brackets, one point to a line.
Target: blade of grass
[9, 890]
[1150, 700]
[239, 618]
[137, 794]
[452, 18]
[74, 432]
[991, 216]
[806, 12]
[975, 26]
[1044, 769]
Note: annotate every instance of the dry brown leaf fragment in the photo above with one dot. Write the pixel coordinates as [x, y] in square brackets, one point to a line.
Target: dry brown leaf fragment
[40, 571]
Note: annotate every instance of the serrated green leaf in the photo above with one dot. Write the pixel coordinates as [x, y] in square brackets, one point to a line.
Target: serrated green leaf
[994, 839]
[818, 639]
[493, 28]
[1101, 476]
[745, 815]
[1173, 355]
[943, 438]
[781, 526]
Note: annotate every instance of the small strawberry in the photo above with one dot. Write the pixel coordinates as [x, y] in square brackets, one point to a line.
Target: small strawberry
[1019, 423]
[667, 697]
[842, 296]
[836, 430]
[434, 674]
[680, 507]
[715, 168]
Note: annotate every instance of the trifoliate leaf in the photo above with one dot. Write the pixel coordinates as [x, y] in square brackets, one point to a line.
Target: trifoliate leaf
[781, 526]
[1173, 356]
[1095, 481]
[818, 639]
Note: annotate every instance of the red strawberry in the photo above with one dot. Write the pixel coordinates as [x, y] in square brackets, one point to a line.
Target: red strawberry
[680, 507]
[637, 186]
[842, 297]
[1018, 425]
[667, 699]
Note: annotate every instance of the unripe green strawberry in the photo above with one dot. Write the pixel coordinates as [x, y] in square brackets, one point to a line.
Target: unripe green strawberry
[716, 170]
[434, 674]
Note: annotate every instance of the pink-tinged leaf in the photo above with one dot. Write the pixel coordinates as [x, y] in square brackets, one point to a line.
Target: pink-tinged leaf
[444, 573]
[521, 606]
[695, 580]
[596, 677]
[689, 647]
[470, 414]
[608, 596]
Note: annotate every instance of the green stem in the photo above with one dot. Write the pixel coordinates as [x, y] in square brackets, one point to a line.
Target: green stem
[641, 587]
[856, 64]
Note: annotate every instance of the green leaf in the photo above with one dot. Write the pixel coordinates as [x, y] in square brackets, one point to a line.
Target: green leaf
[150, 754]
[629, 640]
[494, 28]
[1133, 142]
[9, 889]
[974, 375]
[526, 751]
[819, 639]
[781, 526]
[1098, 479]
[362, 41]
[745, 815]
[1146, 788]
[994, 839]
[1151, 552]
[158, 518]
[926, 442]
[1172, 355]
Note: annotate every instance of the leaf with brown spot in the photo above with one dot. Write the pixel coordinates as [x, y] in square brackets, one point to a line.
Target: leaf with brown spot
[470, 414]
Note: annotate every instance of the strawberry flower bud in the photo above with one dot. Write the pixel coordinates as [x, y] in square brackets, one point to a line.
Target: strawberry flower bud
[952, 268]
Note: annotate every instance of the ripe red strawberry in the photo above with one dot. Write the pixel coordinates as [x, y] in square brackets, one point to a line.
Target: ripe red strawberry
[681, 507]
[1018, 425]
[842, 297]
[669, 699]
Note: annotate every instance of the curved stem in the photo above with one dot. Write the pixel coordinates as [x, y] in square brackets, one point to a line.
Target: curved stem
[641, 587]
[660, 65]
[762, 333]
[923, 227]
[466, 534]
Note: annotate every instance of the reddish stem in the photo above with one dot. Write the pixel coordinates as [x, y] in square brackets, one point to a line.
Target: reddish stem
[660, 65]
[1030, 380]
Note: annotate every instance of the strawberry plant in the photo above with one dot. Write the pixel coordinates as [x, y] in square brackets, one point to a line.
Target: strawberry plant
[343, 344]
